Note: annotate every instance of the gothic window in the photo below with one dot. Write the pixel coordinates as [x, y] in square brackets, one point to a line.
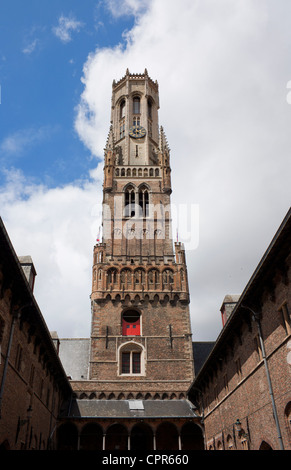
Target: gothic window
[129, 202]
[131, 323]
[111, 277]
[139, 276]
[157, 172]
[125, 277]
[122, 110]
[143, 201]
[136, 105]
[151, 172]
[134, 172]
[153, 278]
[117, 172]
[168, 277]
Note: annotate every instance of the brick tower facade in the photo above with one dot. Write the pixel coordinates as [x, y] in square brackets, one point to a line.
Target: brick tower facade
[141, 344]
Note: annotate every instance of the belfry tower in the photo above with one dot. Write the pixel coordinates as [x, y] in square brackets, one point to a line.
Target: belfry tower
[141, 344]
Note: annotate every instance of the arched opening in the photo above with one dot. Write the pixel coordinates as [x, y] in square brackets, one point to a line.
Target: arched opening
[167, 437]
[116, 438]
[131, 323]
[91, 437]
[265, 446]
[5, 445]
[168, 277]
[139, 277]
[141, 438]
[67, 437]
[192, 437]
[126, 278]
[154, 279]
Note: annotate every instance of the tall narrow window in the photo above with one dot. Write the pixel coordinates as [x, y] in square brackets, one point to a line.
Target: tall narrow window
[150, 107]
[122, 110]
[136, 362]
[125, 367]
[129, 202]
[143, 201]
[136, 105]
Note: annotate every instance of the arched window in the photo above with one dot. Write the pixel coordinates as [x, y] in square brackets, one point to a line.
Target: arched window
[143, 201]
[111, 277]
[125, 277]
[131, 323]
[139, 276]
[168, 277]
[136, 105]
[154, 278]
[129, 202]
[131, 359]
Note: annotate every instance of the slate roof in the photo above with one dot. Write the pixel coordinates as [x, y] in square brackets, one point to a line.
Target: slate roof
[132, 409]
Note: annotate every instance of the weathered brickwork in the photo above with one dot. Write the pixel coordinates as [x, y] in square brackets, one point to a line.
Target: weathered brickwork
[234, 382]
[31, 375]
[136, 269]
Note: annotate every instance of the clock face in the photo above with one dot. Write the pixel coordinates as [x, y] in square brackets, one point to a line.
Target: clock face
[137, 132]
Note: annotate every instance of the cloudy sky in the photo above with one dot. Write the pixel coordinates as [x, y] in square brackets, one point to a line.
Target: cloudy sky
[224, 72]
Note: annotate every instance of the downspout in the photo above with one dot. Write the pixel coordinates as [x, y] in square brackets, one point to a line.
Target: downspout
[257, 318]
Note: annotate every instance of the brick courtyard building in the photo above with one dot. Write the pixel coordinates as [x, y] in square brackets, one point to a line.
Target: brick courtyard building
[33, 383]
[243, 389]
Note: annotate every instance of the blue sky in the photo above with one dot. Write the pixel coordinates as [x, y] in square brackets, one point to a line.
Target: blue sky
[224, 74]
[43, 48]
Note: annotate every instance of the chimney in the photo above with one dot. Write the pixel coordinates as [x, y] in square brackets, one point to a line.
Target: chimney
[28, 269]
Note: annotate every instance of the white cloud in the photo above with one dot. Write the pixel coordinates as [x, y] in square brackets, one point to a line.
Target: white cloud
[223, 69]
[66, 26]
[127, 7]
[23, 139]
[58, 228]
[29, 48]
